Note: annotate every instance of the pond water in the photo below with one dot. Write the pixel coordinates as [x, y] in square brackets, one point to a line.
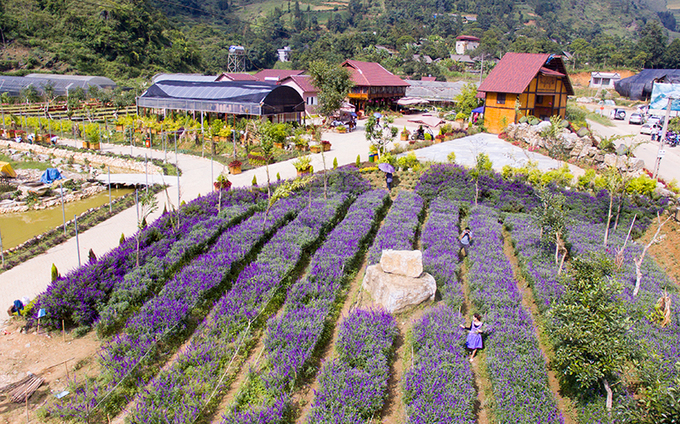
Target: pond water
[19, 227]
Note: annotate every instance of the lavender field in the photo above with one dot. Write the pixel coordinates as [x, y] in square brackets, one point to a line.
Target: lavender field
[238, 310]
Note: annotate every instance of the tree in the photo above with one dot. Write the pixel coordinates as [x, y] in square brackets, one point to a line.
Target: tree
[467, 99]
[379, 136]
[590, 328]
[638, 261]
[333, 84]
[552, 221]
[483, 166]
[148, 205]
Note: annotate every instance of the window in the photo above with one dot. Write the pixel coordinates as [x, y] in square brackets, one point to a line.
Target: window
[539, 100]
[311, 100]
[500, 98]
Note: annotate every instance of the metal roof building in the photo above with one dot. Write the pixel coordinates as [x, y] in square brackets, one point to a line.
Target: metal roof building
[62, 83]
[250, 98]
[434, 91]
[183, 77]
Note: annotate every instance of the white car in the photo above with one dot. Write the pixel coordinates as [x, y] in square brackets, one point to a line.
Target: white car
[635, 118]
[655, 120]
[646, 129]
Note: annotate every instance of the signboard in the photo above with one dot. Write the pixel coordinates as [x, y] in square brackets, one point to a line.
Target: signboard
[661, 154]
[660, 94]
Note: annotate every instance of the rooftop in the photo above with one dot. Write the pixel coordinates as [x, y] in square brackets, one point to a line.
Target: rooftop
[372, 74]
[516, 70]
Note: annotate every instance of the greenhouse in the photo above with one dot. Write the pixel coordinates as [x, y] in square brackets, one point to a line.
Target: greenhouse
[238, 98]
[639, 87]
[62, 84]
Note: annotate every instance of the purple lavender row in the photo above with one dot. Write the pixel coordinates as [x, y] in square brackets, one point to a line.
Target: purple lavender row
[440, 250]
[167, 311]
[74, 298]
[292, 337]
[439, 387]
[398, 231]
[200, 366]
[173, 253]
[515, 195]
[515, 364]
[353, 386]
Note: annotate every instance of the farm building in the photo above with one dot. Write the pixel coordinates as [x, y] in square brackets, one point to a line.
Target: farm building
[277, 103]
[303, 85]
[438, 92]
[525, 84]
[373, 84]
[183, 77]
[604, 79]
[639, 87]
[465, 43]
[62, 84]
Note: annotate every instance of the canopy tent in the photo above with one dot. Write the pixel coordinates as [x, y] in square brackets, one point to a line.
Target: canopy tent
[478, 110]
[428, 120]
[6, 170]
[639, 87]
[410, 101]
[347, 107]
[50, 175]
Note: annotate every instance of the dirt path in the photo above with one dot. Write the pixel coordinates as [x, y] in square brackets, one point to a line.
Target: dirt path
[563, 404]
[302, 400]
[481, 382]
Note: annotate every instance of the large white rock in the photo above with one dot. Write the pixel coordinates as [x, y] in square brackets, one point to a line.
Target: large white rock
[402, 262]
[397, 293]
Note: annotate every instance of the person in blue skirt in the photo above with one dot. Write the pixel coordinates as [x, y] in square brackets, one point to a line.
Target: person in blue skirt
[474, 338]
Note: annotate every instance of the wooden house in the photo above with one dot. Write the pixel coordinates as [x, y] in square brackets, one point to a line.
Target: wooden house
[524, 84]
[373, 84]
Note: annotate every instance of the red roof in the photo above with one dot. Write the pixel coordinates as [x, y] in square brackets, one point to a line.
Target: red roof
[303, 81]
[275, 74]
[235, 76]
[467, 38]
[428, 79]
[516, 70]
[372, 74]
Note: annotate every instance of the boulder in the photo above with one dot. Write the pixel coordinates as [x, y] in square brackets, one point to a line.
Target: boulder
[621, 162]
[397, 293]
[635, 164]
[598, 158]
[622, 149]
[582, 132]
[408, 263]
[610, 159]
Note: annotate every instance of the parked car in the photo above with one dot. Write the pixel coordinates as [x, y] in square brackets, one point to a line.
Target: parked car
[636, 118]
[655, 120]
[619, 114]
[646, 129]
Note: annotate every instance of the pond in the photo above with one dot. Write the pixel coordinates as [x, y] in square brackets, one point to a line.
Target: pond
[19, 227]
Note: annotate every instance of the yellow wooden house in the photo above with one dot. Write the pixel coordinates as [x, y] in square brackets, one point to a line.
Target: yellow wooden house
[525, 84]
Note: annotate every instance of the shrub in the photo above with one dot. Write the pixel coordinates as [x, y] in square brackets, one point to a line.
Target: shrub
[451, 157]
[335, 163]
[358, 163]
[254, 182]
[55, 272]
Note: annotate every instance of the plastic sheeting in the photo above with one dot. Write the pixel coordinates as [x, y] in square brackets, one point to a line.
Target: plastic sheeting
[660, 95]
[50, 175]
[639, 87]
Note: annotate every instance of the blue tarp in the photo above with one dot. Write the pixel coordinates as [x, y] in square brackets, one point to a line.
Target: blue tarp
[661, 93]
[478, 110]
[50, 175]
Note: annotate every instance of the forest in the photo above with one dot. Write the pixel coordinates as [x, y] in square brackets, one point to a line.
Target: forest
[128, 39]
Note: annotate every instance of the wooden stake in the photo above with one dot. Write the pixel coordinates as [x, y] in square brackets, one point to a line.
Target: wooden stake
[63, 332]
[66, 366]
[27, 419]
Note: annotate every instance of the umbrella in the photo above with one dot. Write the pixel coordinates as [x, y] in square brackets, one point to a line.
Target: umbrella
[386, 167]
[377, 115]
[478, 110]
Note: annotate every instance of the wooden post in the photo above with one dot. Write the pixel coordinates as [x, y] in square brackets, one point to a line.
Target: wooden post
[67, 374]
[75, 220]
[63, 337]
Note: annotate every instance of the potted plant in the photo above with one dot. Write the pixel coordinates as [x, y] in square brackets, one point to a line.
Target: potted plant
[341, 129]
[222, 183]
[303, 165]
[405, 134]
[326, 145]
[301, 144]
[235, 167]
[316, 148]
[372, 153]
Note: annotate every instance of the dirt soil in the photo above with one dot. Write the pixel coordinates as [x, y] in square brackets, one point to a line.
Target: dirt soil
[666, 250]
[46, 354]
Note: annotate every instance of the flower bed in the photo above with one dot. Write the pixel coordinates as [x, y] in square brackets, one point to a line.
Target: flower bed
[515, 363]
[201, 365]
[293, 336]
[353, 387]
[439, 387]
[398, 231]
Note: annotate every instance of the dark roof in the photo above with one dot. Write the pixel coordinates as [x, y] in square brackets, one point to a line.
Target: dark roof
[275, 74]
[372, 74]
[303, 81]
[516, 70]
[238, 97]
[639, 87]
[61, 83]
[467, 38]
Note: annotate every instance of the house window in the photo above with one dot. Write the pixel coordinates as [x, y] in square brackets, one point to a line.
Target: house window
[500, 98]
[606, 81]
[311, 100]
[539, 100]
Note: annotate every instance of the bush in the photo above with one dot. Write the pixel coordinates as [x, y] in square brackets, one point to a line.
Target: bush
[642, 185]
[451, 157]
[408, 161]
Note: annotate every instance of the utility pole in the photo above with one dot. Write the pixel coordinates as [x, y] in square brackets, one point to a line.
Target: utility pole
[661, 152]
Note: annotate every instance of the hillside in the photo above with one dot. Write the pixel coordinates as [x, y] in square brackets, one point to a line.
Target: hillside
[126, 39]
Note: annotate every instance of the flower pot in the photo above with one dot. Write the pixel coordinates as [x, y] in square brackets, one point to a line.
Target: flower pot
[85, 144]
[226, 185]
[315, 149]
[301, 148]
[372, 157]
[404, 137]
[234, 169]
[326, 147]
[119, 128]
[95, 146]
[223, 139]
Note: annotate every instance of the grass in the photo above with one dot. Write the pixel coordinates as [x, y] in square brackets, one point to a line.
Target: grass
[25, 164]
[602, 120]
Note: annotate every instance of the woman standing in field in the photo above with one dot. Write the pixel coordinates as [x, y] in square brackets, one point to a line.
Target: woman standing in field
[474, 338]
